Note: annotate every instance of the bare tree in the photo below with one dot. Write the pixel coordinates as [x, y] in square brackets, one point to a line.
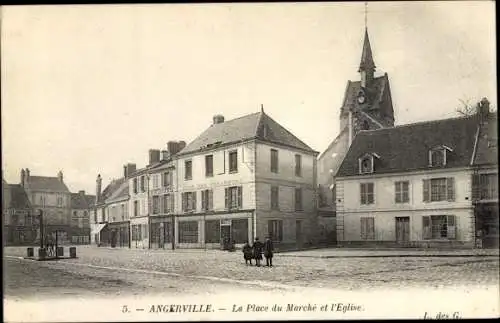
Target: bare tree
[467, 108]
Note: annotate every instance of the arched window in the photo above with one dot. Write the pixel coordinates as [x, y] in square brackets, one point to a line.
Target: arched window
[365, 125]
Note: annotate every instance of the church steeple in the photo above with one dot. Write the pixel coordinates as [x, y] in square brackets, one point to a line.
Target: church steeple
[367, 65]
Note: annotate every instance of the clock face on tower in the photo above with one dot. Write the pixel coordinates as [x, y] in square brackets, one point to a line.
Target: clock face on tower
[361, 97]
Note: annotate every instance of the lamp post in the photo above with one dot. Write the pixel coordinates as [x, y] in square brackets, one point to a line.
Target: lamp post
[40, 220]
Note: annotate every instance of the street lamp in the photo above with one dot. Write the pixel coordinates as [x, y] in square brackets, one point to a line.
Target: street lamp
[40, 221]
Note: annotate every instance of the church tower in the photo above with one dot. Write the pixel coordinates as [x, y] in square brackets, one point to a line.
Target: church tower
[367, 105]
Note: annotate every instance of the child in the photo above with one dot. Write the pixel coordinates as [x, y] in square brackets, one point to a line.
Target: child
[247, 253]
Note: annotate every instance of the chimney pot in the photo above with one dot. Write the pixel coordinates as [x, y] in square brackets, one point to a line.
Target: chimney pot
[82, 192]
[60, 176]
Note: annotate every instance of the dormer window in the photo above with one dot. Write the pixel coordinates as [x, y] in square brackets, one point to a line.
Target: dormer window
[437, 156]
[366, 163]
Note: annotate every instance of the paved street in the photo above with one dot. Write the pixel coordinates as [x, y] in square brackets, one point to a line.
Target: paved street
[105, 279]
[350, 273]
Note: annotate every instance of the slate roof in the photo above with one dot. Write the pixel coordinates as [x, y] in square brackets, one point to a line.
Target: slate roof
[253, 126]
[366, 55]
[19, 198]
[111, 188]
[82, 202]
[406, 147]
[121, 192]
[47, 184]
[487, 146]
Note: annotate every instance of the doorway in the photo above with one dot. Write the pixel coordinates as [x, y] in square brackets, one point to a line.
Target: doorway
[403, 229]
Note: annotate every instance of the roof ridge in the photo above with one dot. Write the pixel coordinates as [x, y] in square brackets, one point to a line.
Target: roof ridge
[417, 123]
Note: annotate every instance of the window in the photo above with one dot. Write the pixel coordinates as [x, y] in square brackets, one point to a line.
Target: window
[233, 161]
[437, 158]
[135, 185]
[402, 192]
[298, 199]
[85, 214]
[298, 165]
[207, 200]
[103, 215]
[143, 184]
[439, 189]
[365, 125]
[239, 230]
[188, 201]
[367, 228]
[59, 201]
[168, 203]
[366, 165]
[439, 227]
[275, 230]
[136, 232]
[274, 161]
[233, 197]
[95, 216]
[166, 179]
[188, 170]
[275, 190]
[212, 231]
[156, 204]
[209, 165]
[367, 194]
[485, 186]
[136, 208]
[188, 232]
[122, 211]
[75, 214]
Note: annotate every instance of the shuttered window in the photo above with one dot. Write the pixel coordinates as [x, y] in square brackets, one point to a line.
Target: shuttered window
[188, 201]
[233, 197]
[233, 161]
[274, 161]
[275, 197]
[367, 195]
[402, 192]
[298, 165]
[298, 199]
[439, 227]
[209, 165]
[439, 189]
[367, 228]
[207, 200]
[156, 204]
[188, 170]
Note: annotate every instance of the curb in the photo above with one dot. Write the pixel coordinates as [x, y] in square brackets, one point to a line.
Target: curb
[391, 256]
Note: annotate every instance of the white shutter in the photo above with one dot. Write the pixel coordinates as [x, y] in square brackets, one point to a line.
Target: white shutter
[218, 162]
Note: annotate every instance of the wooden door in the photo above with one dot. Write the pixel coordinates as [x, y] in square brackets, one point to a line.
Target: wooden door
[402, 229]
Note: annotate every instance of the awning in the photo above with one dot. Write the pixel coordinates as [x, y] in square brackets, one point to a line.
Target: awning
[98, 228]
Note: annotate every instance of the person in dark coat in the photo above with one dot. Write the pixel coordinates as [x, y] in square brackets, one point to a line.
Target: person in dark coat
[257, 251]
[268, 251]
[247, 253]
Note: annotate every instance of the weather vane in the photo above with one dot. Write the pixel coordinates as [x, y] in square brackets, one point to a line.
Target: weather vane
[366, 14]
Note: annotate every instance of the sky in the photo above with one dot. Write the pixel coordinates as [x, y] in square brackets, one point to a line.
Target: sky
[89, 88]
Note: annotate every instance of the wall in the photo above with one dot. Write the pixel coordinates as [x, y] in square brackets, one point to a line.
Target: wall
[385, 209]
[328, 161]
[287, 181]
[221, 178]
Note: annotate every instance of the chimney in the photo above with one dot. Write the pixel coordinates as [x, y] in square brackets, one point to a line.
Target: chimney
[23, 174]
[182, 143]
[60, 176]
[218, 118]
[129, 169]
[154, 156]
[483, 110]
[164, 154]
[98, 188]
[27, 177]
[82, 193]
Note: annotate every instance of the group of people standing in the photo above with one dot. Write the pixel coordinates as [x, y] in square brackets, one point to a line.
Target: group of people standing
[256, 250]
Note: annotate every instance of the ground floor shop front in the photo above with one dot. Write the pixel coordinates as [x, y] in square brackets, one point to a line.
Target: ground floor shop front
[487, 225]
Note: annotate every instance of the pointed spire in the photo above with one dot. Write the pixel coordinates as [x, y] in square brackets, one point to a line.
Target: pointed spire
[367, 62]
[261, 107]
